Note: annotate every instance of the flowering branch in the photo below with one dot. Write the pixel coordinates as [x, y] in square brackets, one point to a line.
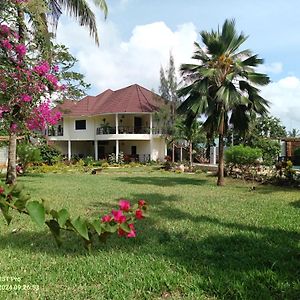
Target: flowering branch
[120, 221]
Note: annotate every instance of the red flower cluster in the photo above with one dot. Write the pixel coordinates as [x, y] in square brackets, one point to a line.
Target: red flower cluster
[126, 214]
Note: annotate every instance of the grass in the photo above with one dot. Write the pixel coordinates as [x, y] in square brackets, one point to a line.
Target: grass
[199, 242]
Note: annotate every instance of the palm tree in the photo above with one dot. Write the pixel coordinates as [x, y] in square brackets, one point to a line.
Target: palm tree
[78, 9]
[294, 133]
[222, 85]
[192, 133]
[37, 11]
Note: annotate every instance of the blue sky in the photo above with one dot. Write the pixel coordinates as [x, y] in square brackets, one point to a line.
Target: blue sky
[138, 35]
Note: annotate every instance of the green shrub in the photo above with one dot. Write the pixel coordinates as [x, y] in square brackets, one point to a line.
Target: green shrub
[297, 152]
[49, 154]
[297, 156]
[270, 150]
[27, 154]
[242, 155]
[88, 161]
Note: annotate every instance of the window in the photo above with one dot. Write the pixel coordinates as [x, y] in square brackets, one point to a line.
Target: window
[80, 124]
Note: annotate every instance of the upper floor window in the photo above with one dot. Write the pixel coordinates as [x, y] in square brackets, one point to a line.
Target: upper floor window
[80, 124]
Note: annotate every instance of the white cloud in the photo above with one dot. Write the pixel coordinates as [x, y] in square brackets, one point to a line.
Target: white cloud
[118, 63]
[274, 68]
[284, 96]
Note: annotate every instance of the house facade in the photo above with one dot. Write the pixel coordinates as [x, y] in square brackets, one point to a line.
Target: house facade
[111, 122]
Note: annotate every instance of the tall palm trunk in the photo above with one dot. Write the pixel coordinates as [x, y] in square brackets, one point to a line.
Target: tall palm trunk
[221, 161]
[11, 174]
[191, 154]
[220, 181]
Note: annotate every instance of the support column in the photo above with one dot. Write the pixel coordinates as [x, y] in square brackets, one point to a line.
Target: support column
[117, 123]
[181, 153]
[151, 124]
[69, 150]
[117, 150]
[213, 155]
[96, 149]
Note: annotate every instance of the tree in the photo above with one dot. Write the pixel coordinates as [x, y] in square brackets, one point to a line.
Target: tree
[193, 134]
[168, 88]
[294, 133]
[222, 86]
[13, 13]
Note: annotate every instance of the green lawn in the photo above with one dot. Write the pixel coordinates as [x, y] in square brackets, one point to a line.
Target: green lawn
[199, 242]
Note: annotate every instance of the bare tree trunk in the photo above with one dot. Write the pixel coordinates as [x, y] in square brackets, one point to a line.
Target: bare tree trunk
[220, 181]
[11, 174]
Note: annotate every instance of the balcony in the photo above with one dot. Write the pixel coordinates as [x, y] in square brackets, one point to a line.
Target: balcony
[122, 130]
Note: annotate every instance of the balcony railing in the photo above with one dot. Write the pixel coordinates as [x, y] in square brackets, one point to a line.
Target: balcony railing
[56, 131]
[122, 130]
[106, 130]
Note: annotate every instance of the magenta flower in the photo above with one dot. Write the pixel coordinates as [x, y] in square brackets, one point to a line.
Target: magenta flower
[139, 214]
[55, 68]
[132, 233]
[21, 49]
[118, 216]
[42, 69]
[13, 127]
[6, 44]
[26, 98]
[4, 29]
[106, 219]
[52, 78]
[124, 205]
[142, 203]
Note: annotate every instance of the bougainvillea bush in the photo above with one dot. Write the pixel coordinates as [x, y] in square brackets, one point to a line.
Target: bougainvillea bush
[121, 220]
[26, 86]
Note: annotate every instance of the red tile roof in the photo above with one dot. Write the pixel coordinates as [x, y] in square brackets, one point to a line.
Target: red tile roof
[133, 99]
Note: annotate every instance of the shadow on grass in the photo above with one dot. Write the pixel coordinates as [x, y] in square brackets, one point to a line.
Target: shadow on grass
[229, 260]
[162, 181]
[295, 204]
[247, 262]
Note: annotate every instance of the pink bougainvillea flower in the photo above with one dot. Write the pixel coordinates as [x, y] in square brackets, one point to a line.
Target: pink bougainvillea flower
[142, 203]
[20, 49]
[13, 127]
[132, 233]
[4, 30]
[52, 78]
[6, 44]
[26, 98]
[124, 205]
[139, 214]
[55, 68]
[42, 69]
[106, 218]
[121, 232]
[118, 216]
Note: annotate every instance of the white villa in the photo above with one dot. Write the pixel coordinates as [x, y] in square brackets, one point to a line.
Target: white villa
[111, 122]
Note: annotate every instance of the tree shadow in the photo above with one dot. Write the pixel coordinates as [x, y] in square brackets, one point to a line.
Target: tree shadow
[162, 180]
[295, 204]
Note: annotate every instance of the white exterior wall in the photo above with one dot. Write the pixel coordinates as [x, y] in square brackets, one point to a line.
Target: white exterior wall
[3, 155]
[158, 148]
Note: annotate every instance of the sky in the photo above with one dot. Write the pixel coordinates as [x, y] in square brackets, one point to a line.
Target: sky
[138, 36]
